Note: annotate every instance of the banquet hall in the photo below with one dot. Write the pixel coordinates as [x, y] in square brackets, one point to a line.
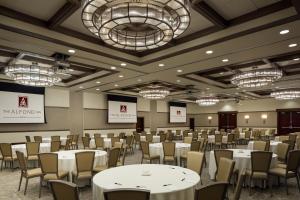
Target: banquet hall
[150, 99]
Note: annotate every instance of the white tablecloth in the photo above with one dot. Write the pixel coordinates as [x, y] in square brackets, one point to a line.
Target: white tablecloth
[44, 148]
[181, 149]
[107, 142]
[273, 145]
[67, 161]
[164, 181]
[281, 138]
[242, 159]
[48, 140]
[156, 138]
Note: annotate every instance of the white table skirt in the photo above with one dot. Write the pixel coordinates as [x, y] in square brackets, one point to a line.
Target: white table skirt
[67, 161]
[44, 148]
[107, 142]
[48, 140]
[242, 159]
[156, 138]
[180, 182]
[273, 146]
[181, 149]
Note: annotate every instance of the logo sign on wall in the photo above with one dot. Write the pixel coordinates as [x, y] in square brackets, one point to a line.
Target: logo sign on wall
[177, 112]
[23, 101]
[123, 108]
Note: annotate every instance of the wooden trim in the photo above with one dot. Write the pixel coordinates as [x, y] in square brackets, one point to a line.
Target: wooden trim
[288, 109]
[33, 131]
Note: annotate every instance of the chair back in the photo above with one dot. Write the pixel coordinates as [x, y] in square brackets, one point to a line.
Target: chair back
[203, 148]
[215, 191]
[86, 142]
[68, 144]
[230, 137]
[259, 145]
[6, 150]
[123, 157]
[163, 137]
[195, 161]
[70, 137]
[178, 132]
[38, 139]
[195, 146]
[222, 153]
[75, 138]
[110, 135]
[114, 140]
[291, 144]
[87, 135]
[62, 190]
[293, 137]
[239, 186]
[113, 157]
[169, 148]
[225, 169]
[145, 148]
[187, 140]
[97, 135]
[261, 161]
[55, 138]
[153, 132]
[267, 148]
[282, 151]
[218, 138]
[55, 146]
[149, 138]
[33, 148]
[99, 142]
[122, 135]
[22, 161]
[49, 163]
[28, 138]
[126, 194]
[204, 136]
[129, 140]
[293, 160]
[85, 161]
[247, 134]
[137, 137]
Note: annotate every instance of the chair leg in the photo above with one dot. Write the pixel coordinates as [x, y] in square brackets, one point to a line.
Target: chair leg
[286, 186]
[297, 177]
[20, 182]
[26, 184]
[40, 192]
[2, 164]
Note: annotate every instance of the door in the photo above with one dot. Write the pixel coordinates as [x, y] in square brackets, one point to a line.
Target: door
[227, 120]
[140, 124]
[288, 121]
[192, 124]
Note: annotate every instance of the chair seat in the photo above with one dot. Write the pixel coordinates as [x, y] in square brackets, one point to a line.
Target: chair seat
[151, 157]
[184, 157]
[99, 168]
[257, 175]
[83, 175]
[169, 158]
[10, 158]
[281, 165]
[61, 175]
[278, 171]
[34, 172]
[33, 157]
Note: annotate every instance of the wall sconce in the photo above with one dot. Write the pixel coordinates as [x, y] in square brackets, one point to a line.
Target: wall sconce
[209, 119]
[247, 117]
[264, 117]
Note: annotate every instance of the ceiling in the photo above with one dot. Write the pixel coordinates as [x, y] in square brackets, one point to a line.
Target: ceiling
[246, 33]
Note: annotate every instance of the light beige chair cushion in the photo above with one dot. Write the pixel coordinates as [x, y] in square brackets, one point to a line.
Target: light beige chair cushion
[83, 175]
[99, 168]
[169, 158]
[34, 172]
[277, 171]
[33, 157]
[61, 175]
[257, 175]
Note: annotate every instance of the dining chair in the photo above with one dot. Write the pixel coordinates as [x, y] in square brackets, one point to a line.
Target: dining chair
[75, 141]
[282, 152]
[114, 140]
[122, 161]
[25, 173]
[260, 166]
[84, 166]
[55, 146]
[129, 143]
[110, 135]
[187, 140]
[247, 136]
[97, 135]
[112, 160]
[169, 152]
[86, 142]
[291, 170]
[28, 138]
[122, 135]
[7, 154]
[163, 137]
[68, 144]
[239, 186]
[267, 148]
[99, 142]
[55, 138]
[153, 132]
[87, 135]
[149, 138]
[195, 161]
[259, 145]
[291, 144]
[218, 140]
[225, 170]
[137, 139]
[120, 146]
[126, 194]
[195, 146]
[38, 139]
[62, 190]
[146, 153]
[49, 166]
[230, 138]
[222, 153]
[33, 149]
[293, 137]
[214, 191]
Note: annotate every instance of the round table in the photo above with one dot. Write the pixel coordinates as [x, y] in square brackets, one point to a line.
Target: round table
[181, 149]
[44, 148]
[67, 161]
[242, 159]
[48, 140]
[273, 145]
[156, 138]
[163, 181]
[107, 142]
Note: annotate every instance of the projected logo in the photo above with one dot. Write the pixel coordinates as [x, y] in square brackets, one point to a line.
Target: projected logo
[123, 108]
[23, 102]
[178, 112]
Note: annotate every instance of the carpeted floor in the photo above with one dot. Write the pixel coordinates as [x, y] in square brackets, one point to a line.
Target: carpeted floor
[9, 184]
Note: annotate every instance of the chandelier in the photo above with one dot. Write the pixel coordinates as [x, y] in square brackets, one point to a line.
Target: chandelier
[287, 94]
[136, 24]
[256, 78]
[207, 101]
[33, 75]
[154, 93]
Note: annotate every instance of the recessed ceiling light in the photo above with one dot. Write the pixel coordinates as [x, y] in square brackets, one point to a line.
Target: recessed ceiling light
[121, 76]
[221, 73]
[296, 59]
[225, 60]
[97, 89]
[98, 82]
[80, 87]
[161, 65]
[71, 51]
[123, 64]
[113, 67]
[284, 31]
[207, 88]
[139, 80]
[116, 85]
[209, 52]
[179, 70]
[71, 70]
[293, 45]
[178, 81]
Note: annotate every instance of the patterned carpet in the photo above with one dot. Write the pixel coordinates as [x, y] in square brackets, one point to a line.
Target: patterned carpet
[9, 184]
